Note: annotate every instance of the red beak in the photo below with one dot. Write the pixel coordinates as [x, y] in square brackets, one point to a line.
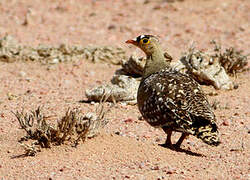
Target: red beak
[131, 41]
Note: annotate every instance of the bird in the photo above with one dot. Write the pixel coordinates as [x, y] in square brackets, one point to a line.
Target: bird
[171, 100]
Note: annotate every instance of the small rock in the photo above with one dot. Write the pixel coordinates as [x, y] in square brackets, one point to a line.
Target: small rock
[157, 7]
[54, 61]
[169, 172]
[248, 129]
[158, 139]
[11, 96]
[141, 165]
[28, 79]
[226, 106]
[22, 73]
[190, 142]
[225, 123]
[236, 86]
[242, 28]
[110, 27]
[28, 92]
[92, 14]
[129, 120]
[124, 104]
[155, 167]
[92, 73]
[67, 82]
[236, 114]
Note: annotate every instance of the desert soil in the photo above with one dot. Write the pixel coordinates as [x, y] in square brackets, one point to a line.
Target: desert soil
[127, 148]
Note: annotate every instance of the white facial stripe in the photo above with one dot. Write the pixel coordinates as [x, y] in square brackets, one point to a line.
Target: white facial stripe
[142, 36]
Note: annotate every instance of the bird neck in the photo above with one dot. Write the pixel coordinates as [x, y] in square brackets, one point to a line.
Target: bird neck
[155, 62]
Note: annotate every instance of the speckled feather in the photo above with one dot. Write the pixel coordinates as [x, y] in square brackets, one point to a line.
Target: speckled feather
[176, 101]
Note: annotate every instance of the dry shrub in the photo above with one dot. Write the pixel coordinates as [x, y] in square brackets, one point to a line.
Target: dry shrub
[12, 51]
[231, 59]
[72, 127]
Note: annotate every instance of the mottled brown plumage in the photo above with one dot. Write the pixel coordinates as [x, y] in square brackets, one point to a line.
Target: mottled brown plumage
[172, 100]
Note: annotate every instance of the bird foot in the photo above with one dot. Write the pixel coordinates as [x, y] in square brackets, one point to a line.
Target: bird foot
[171, 146]
[177, 146]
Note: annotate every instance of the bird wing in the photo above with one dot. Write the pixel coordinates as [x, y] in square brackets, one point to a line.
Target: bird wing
[184, 97]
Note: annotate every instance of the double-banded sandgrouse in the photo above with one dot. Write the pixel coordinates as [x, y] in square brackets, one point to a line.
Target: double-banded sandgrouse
[172, 100]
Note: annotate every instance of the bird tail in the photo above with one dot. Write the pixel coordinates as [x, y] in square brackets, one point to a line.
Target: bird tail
[209, 134]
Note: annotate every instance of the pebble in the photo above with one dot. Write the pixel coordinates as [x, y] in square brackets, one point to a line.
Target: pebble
[225, 123]
[158, 139]
[169, 172]
[92, 73]
[54, 61]
[129, 120]
[118, 133]
[236, 114]
[155, 168]
[28, 79]
[123, 104]
[141, 165]
[236, 86]
[22, 73]
[110, 27]
[2, 115]
[190, 142]
[67, 82]
[248, 129]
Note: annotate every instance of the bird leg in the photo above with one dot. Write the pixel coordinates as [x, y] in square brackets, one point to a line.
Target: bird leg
[168, 142]
[183, 136]
[169, 133]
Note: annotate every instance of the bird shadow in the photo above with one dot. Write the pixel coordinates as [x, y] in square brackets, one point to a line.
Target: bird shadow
[188, 152]
[84, 101]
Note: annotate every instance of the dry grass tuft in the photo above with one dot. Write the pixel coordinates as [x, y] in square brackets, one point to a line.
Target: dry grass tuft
[72, 127]
[231, 59]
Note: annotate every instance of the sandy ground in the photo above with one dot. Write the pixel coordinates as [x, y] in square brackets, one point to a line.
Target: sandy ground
[134, 153]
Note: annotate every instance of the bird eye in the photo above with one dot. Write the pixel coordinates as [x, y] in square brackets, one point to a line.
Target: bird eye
[145, 41]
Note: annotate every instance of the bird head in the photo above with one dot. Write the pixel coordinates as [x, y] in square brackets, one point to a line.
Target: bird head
[147, 43]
